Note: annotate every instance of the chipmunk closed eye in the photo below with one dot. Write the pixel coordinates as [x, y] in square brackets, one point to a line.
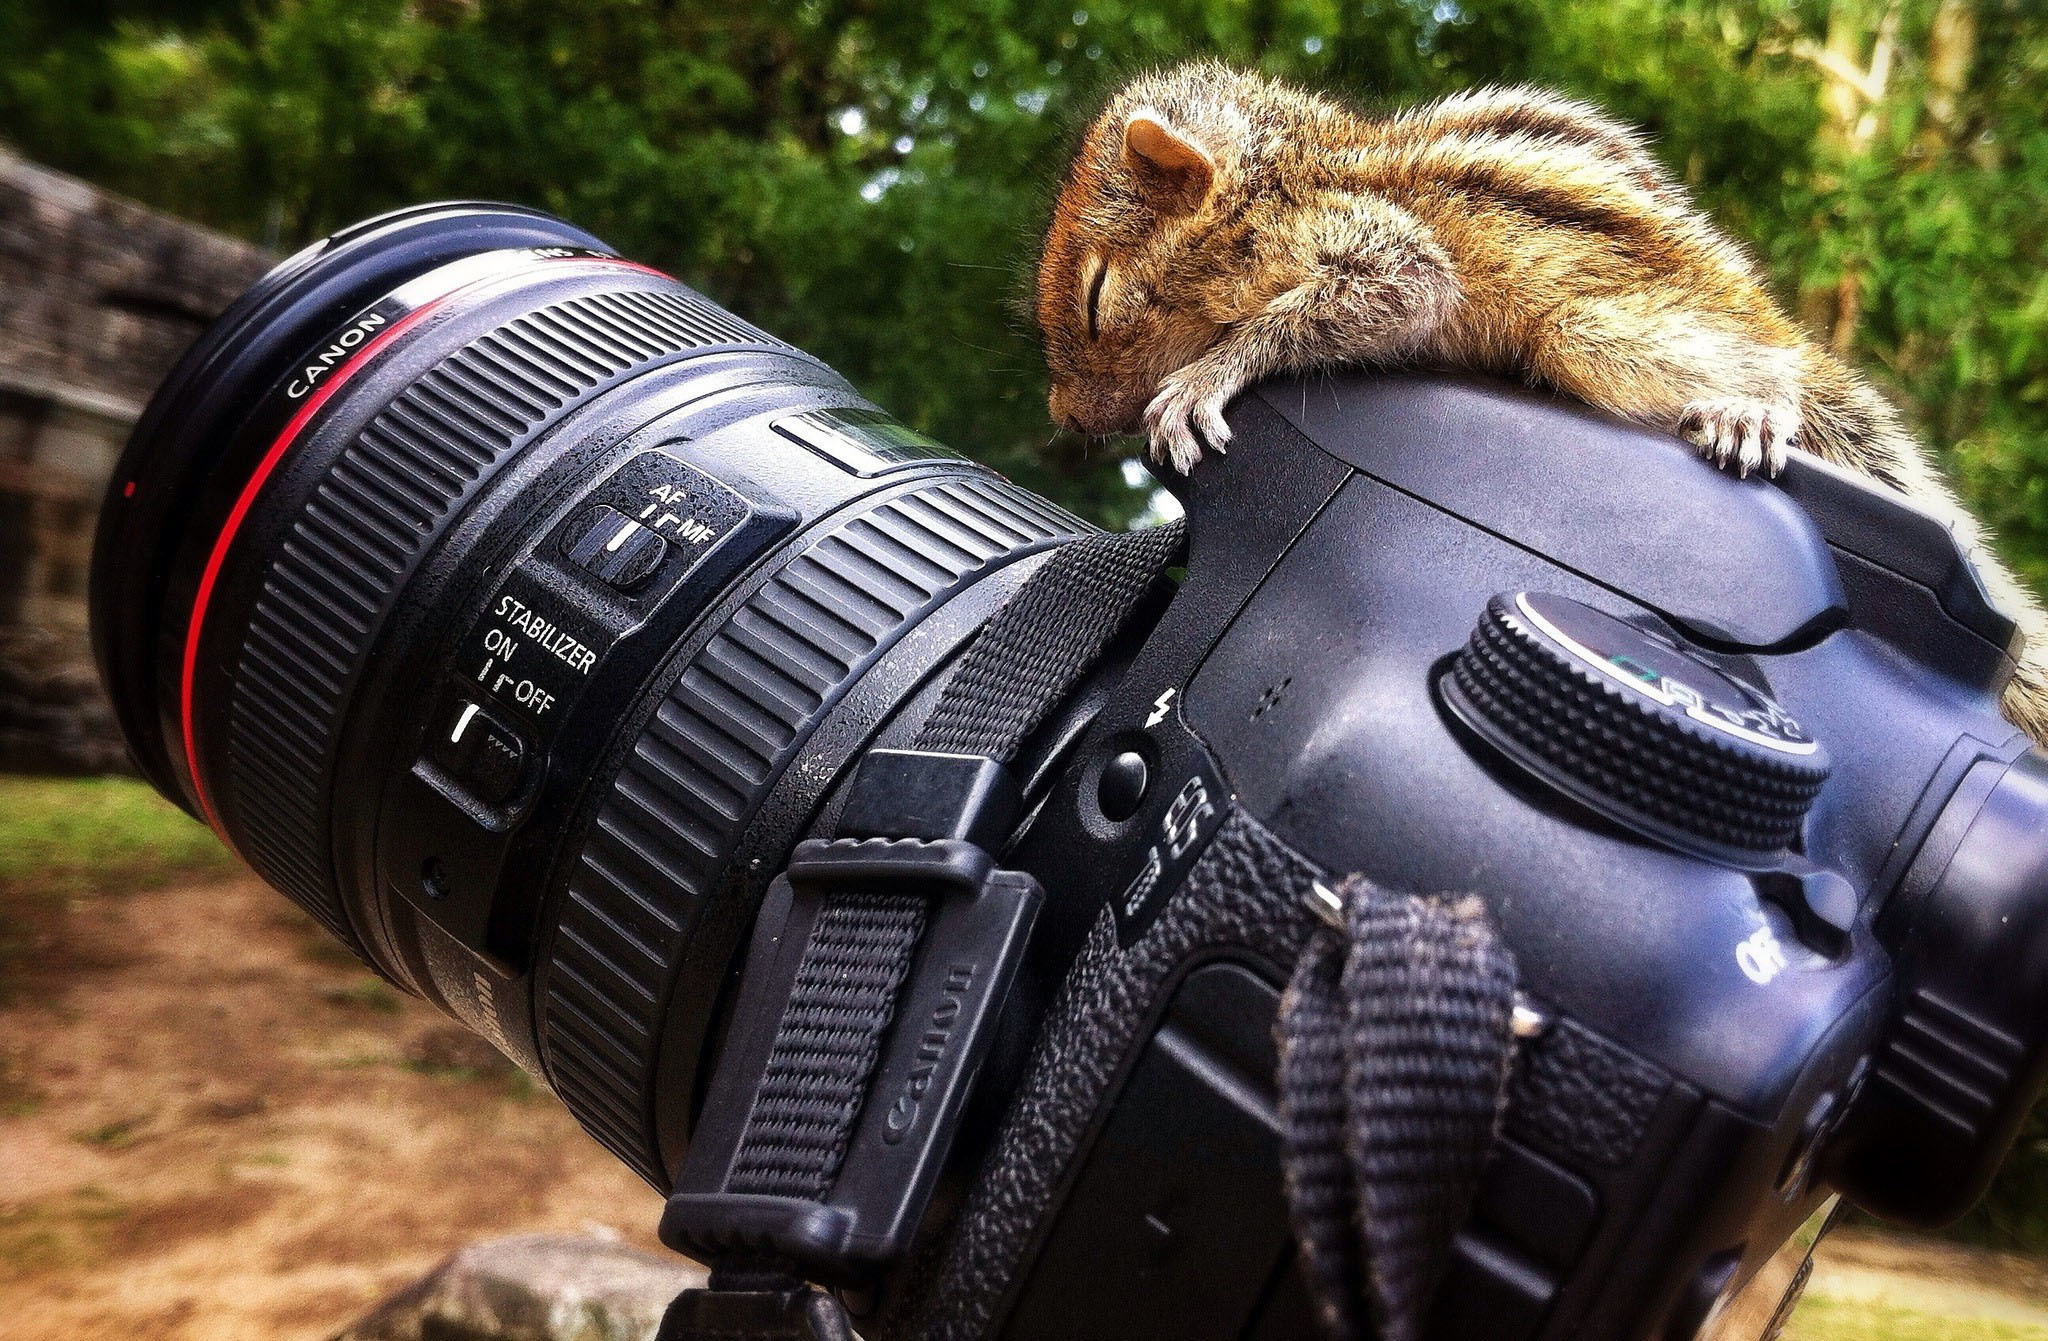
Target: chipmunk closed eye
[1166, 242]
[1217, 227]
[1111, 311]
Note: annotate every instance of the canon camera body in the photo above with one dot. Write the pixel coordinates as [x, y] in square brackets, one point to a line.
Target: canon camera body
[1811, 962]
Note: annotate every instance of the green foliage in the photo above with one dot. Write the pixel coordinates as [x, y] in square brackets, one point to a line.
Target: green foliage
[78, 835]
[2015, 1213]
[867, 180]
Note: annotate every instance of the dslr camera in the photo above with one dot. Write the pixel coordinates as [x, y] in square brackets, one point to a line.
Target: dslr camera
[904, 878]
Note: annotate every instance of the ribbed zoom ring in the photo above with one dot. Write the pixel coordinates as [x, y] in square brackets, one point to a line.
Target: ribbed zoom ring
[371, 517]
[722, 736]
[1619, 749]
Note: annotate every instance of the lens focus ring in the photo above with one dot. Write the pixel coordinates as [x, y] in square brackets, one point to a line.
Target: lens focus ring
[732, 721]
[372, 516]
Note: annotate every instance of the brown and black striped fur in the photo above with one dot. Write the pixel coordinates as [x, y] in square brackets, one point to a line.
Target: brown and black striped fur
[1217, 227]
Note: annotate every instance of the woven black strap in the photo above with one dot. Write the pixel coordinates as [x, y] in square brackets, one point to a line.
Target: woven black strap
[1397, 1044]
[1045, 639]
[826, 1047]
[1023, 663]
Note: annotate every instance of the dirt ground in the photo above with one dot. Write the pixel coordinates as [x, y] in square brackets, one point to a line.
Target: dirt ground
[1862, 1270]
[214, 1124]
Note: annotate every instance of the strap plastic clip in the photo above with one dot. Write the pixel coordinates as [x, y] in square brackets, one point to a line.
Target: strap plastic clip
[913, 823]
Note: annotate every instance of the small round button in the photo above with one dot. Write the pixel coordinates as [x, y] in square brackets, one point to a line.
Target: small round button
[1123, 785]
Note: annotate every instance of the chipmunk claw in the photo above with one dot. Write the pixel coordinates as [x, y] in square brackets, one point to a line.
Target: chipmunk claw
[1185, 416]
[1741, 435]
[1174, 444]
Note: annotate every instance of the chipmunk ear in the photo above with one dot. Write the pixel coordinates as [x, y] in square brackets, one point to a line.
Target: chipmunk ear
[1175, 169]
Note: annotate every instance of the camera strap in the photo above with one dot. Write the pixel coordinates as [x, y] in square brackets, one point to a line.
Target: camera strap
[824, 1128]
[1397, 1043]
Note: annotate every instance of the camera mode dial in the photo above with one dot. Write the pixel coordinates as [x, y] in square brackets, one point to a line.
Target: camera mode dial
[1635, 728]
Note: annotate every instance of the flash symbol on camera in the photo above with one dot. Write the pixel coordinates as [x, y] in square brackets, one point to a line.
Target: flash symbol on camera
[1159, 709]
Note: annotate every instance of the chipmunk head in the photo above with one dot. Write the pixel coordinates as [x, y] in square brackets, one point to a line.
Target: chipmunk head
[1124, 259]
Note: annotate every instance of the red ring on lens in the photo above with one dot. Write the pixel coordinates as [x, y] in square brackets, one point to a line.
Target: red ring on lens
[188, 674]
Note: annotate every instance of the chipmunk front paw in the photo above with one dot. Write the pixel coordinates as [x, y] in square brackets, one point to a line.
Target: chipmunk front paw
[1188, 402]
[1741, 434]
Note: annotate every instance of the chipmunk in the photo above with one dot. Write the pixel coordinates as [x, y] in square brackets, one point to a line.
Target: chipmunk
[1218, 226]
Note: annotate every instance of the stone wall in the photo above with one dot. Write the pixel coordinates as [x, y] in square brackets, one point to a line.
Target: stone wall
[98, 297]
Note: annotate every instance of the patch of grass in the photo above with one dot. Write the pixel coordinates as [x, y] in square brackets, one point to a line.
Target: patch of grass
[512, 1084]
[318, 946]
[1819, 1318]
[522, 1088]
[40, 1237]
[83, 835]
[371, 994]
[65, 838]
[463, 1075]
[116, 1135]
[2014, 1215]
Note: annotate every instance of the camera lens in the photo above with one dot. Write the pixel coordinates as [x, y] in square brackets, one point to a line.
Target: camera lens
[514, 609]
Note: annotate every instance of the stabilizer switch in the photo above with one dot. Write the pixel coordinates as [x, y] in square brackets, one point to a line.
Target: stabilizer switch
[482, 753]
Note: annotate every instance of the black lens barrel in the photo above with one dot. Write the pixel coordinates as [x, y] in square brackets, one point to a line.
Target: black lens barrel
[374, 490]
[515, 609]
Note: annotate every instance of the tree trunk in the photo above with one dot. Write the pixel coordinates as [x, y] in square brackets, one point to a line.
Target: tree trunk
[1840, 97]
[1951, 54]
[1854, 95]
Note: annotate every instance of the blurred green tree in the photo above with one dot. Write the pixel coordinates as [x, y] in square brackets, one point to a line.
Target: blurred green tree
[867, 179]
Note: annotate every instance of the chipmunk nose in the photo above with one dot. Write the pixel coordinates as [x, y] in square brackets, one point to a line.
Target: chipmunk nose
[1069, 409]
[1066, 410]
